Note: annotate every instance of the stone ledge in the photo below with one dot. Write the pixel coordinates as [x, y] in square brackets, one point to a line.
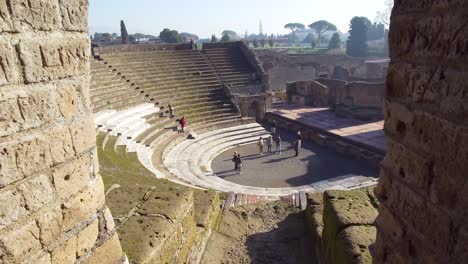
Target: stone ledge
[341, 225]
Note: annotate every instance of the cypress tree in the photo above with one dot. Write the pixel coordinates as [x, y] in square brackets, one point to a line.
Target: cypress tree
[335, 42]
[123, 32]
[356, 45]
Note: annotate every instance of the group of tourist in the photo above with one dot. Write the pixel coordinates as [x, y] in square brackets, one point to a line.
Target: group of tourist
[269, 142]
[181, 122]
[274, 137]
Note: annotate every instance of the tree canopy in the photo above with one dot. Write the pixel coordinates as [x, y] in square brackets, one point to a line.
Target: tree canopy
[271, 42]
[356, 45]
[231, 34]
[225, 38]
[294, 27]
[170, 36]
[214, 39]
[189, 36]
[321, 27]
[383, 16]
[335, 42]
[123, 32]
[376, 31]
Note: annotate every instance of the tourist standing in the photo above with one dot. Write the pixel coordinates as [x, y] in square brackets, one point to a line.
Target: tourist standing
[299, 138]
[260, 146]
[269, 143]
[234, 159]
[273, 128]
[239, 164]
[182, 123]
[296, 147]
[171, 111]
[278, 144]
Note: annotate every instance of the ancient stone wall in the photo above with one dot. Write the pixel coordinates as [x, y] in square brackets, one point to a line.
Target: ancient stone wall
[52, 206]
[341, 225]
[283, 68]
[423, 182]
[361, 94]
[310, 93]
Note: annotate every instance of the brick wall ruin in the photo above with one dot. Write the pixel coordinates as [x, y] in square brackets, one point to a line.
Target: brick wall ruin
[423, 182]
[52, 205]
[283, 68]
[361, 100]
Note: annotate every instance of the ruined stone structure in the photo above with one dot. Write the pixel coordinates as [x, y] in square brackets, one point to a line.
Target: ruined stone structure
[360, 100]
[52, 205]
[341, 225]
[423, 184]
[282, 68]
[311, 93]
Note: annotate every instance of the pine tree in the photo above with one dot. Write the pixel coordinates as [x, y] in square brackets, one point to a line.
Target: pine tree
[123, 32]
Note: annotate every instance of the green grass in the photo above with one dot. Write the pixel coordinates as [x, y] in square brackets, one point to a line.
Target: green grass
[118, 167]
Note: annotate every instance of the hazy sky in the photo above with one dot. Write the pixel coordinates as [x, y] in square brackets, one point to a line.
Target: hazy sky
[206, 17]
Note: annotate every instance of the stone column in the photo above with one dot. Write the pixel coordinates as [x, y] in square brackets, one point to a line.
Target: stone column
[424, 184]
[52, 203]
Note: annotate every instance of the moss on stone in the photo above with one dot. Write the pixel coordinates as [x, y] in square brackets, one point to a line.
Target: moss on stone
[343, 210]
[158, 218]
[353, 244]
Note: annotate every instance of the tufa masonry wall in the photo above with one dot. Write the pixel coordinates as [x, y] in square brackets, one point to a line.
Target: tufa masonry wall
[52, 205]
[423, 182]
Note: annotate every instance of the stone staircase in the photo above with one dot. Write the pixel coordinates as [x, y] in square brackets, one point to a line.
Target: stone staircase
[231, 66]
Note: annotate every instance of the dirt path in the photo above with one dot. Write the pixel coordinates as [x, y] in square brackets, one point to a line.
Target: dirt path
[270, 233]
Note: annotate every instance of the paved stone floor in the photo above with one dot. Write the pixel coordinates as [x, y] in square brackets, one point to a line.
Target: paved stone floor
[369, 133]
[315, 163]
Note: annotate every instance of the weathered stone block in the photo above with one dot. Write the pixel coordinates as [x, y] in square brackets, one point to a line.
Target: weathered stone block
[54, 59]
[12, 207]
[20, 243]
[353, 244]
[109, 252]
[67, 101]
[6, 25]
[38, 14]
[66, 253]
[10, 117]
[43, 258]
[9, 66]
[61, 146]
[83, 205]
[87, 238]
[74, 15]
[23, 158]
[37, 192]
[37, 108]
[50, 224]
[83, 135]
[72, 177]
[108, 220]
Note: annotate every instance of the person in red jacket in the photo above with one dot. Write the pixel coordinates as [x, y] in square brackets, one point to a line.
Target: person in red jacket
[182, 123]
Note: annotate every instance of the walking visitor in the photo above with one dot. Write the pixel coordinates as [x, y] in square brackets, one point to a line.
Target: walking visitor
[237, 163]
[278, 144]
[269, 143]
[260, 146]
[171, 111]
[296, 147]
[182, 123]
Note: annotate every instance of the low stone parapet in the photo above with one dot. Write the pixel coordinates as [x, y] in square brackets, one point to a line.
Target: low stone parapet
[341, 225]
